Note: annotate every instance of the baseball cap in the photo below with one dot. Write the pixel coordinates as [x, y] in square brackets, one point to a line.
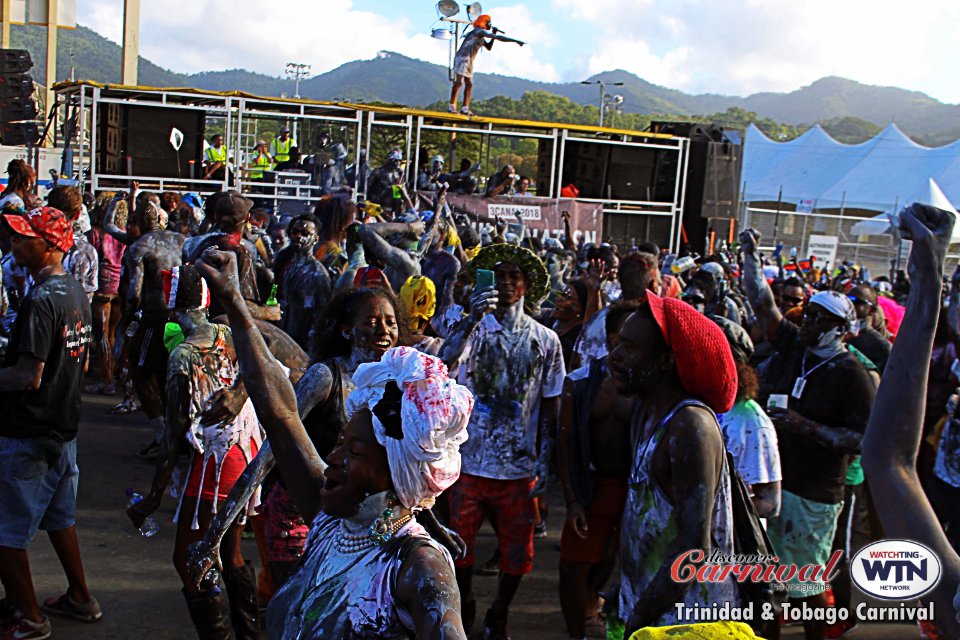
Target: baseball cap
[232, 207]
[45, 222]
[284, 129]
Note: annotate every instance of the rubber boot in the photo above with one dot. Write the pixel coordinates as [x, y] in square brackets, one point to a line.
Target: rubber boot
[244, 609]
[210, 614]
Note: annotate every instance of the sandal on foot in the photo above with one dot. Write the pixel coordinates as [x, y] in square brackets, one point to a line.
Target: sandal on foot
[67, 606]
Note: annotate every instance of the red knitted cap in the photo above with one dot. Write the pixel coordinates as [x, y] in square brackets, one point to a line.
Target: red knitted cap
[701, 351]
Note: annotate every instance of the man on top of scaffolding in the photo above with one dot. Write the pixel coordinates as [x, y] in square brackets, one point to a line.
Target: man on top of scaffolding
[481, 36]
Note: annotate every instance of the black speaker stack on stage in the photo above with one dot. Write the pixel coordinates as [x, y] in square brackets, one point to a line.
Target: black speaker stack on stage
[616, 172]
[713, 179]
[18, 111]
[140, 135]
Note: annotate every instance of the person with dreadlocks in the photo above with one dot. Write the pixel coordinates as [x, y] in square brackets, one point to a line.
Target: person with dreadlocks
[370, 569]
[20, 184]
[145, 311]
[202, 364]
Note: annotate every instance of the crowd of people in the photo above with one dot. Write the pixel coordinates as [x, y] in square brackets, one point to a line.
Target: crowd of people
[364, 391]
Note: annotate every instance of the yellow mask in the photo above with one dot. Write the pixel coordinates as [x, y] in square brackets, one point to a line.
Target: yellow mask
[419, 297]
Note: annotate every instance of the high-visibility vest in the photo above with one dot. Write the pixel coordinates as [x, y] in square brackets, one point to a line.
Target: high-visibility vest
[261, 163]
[281, 149]
[217, 155]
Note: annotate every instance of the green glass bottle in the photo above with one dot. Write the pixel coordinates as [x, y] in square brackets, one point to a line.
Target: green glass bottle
[272, 300]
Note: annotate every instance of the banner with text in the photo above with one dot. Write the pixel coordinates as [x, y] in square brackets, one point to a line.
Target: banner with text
[543, 216]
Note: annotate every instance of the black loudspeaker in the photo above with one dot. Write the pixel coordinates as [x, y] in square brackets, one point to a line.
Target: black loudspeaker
[713, 177]
[142, 133]
[18, 111]
[611, 171]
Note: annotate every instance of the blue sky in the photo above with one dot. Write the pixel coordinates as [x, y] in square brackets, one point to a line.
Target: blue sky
[734, 47]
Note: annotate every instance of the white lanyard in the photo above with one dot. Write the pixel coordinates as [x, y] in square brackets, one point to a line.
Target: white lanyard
[801, 382]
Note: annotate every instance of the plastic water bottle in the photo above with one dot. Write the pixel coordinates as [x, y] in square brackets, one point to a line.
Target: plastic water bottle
[683, 264]
[149, 527]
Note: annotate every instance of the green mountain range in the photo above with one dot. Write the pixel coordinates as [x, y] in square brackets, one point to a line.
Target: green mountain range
[395, 78]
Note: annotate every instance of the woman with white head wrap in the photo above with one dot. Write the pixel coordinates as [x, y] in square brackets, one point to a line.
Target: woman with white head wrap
[370, 569]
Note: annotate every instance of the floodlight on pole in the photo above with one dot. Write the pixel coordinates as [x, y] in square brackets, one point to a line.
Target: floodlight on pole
[297, 71]
[603, 92]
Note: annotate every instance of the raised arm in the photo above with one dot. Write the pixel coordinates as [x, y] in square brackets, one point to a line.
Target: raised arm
[398, 259]
[110, 225]
[268, 387]
[758, 291]
[482, 302]
[894, 430]
[314, 386]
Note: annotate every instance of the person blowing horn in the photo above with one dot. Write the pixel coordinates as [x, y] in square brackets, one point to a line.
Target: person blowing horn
[481, 36]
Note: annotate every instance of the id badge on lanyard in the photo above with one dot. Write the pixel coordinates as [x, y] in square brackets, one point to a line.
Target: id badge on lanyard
[798, 388]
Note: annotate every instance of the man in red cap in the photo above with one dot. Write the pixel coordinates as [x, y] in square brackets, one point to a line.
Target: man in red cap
[679, 364]
[40, 395]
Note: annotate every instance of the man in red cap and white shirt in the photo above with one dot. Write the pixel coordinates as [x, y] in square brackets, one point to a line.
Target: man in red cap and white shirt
[40, 394]
[679, 364]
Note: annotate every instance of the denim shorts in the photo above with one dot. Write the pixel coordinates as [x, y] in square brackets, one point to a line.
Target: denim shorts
[38, 488]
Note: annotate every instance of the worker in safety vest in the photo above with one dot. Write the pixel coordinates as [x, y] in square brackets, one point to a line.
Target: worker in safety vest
[280, 147]
[215, 160]
[261, 161]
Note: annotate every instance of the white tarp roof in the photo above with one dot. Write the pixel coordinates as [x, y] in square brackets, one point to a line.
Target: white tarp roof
[877, 174]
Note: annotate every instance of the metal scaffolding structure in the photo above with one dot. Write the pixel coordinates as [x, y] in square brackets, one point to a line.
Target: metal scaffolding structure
[82, 102]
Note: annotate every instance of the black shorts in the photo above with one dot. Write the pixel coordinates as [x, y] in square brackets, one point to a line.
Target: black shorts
[147, 351]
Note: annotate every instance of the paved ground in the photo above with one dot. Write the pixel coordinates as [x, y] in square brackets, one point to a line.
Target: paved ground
[139, 591]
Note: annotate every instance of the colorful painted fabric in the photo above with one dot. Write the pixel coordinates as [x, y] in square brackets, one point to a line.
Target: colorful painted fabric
[650, 526]
[336, 594]
[434, 412]
[208, 370]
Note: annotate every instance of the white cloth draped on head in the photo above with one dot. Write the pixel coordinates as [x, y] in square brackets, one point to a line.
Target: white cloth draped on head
[434, 412]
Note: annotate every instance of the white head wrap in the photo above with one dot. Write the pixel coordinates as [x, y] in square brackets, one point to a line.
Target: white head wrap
[434, 413]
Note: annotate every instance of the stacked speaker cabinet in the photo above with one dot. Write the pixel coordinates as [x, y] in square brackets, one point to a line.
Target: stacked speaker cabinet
[713, 178]
[140, 134]
[18, 111]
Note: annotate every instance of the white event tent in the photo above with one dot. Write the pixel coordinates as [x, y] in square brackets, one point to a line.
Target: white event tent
[877, 175]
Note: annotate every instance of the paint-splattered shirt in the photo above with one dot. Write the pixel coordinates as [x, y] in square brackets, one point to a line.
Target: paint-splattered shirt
[752, 441]
[509, 371]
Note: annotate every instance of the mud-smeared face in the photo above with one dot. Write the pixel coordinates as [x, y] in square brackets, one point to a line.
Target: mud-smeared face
[511, 284]
[816, 322]
[357, 467]
[642, 355]
[303, 235]
[568, 305]
[374, 329]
